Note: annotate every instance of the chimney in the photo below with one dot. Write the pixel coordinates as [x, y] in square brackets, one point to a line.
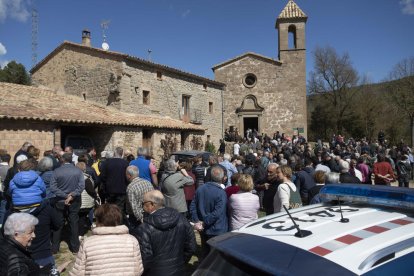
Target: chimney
[86, 38]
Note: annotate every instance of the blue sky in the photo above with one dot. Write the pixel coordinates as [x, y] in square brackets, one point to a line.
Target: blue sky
[195, 35]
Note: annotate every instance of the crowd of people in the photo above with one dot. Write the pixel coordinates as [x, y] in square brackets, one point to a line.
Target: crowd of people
[120, 209]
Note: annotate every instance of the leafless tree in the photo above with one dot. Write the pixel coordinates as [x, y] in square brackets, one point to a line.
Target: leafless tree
[402, 91]
[335, 78]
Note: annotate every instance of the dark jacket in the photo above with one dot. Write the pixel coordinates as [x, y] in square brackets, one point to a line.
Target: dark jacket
[348, 178]
[167, 242]
[48, 220]
[113, 176]
[199, 172]
[46, 176]
[15, 260]
[210, 206]
[304, 182]
[332, 164]
[269, 194]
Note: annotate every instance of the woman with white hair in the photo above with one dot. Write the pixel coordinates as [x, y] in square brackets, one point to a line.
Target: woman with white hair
[18, 235]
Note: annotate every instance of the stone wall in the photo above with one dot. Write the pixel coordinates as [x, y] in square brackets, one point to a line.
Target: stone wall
[13, 133]
[87, 74]
[108, 80]
[280, 89]
[165, 96]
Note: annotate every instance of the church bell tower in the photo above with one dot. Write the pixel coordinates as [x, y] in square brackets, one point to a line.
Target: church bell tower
[291, 26]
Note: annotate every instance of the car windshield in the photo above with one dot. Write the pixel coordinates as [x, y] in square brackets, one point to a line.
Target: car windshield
[236, 253]
[218, 263]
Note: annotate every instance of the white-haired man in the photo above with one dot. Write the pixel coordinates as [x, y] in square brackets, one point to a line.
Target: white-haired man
[136, 190]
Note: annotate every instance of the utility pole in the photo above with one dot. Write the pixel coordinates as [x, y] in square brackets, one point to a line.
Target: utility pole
[35, 29]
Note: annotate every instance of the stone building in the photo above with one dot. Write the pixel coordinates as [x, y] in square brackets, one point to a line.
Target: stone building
[157, 106]
[267, 94]
[133, 85]
[43, 117]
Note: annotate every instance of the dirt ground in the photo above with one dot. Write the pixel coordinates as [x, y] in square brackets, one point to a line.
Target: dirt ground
[65, 255]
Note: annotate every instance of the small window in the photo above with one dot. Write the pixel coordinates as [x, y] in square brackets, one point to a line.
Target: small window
[159, 75]
[210, 107]
[250, 80]
[205, 86]
[186, 105]
[84, 96]
[146, 97]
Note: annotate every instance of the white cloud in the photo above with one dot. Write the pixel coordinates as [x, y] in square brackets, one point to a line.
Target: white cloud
[186, 13]
[3, 50]
[14, 9]
[407, 7]
[3, 63]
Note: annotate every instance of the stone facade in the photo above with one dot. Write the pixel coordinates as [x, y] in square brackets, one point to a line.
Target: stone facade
[269, 94]
[134, 86]
[13, 134]
[43, 135]
[256, 91]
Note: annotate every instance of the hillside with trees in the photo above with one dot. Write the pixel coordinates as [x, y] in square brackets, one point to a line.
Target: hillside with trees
[340, 102]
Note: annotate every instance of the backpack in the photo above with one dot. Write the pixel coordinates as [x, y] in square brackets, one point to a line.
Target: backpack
[294, 201]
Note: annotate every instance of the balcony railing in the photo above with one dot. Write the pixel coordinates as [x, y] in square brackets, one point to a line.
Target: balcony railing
[192, 116]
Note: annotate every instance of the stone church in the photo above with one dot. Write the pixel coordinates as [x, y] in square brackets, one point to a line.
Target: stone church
[267, 94]
[148, 104]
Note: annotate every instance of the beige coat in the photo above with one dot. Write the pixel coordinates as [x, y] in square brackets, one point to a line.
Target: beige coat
[109, 251]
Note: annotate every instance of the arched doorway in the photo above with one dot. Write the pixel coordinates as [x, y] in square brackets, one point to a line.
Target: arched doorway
[249, 114]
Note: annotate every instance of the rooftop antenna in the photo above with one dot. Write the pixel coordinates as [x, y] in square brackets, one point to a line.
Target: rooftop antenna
[35, 29]
[301, 233]
[104, 26]
[343, 220]
[149, 54]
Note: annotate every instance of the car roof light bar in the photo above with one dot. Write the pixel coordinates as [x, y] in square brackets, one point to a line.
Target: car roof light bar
[370, 194]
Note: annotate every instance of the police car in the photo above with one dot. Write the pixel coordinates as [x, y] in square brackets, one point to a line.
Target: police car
[359, 230]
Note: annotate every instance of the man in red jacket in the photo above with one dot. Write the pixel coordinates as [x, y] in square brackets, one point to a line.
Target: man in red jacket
[383, 171]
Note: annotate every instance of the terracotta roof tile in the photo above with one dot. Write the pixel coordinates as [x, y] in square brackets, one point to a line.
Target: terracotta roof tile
[291, 10]
[28, 102]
